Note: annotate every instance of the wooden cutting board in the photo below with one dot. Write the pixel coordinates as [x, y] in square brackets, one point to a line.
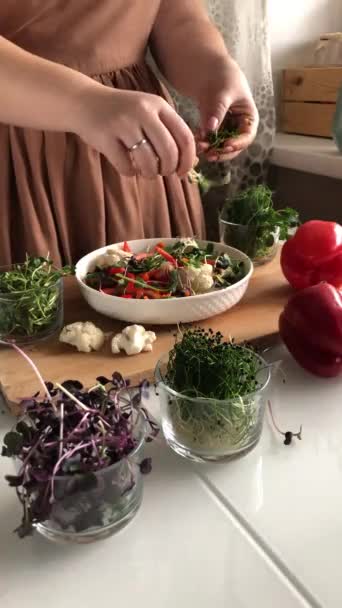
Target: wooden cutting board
[256, 316]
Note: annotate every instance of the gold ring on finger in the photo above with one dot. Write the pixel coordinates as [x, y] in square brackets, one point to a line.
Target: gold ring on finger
[137, 145]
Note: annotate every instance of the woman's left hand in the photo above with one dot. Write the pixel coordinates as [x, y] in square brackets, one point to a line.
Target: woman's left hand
[224, 97]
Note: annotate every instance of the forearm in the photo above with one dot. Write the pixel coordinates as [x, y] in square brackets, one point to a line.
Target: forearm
[188, 48]
[37, 93]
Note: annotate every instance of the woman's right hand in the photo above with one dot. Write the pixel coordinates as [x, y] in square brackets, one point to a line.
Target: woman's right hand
[112, 121]
[40, 94]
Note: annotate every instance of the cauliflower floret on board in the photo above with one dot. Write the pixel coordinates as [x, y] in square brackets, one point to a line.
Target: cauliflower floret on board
[85, 336]
[134, 339]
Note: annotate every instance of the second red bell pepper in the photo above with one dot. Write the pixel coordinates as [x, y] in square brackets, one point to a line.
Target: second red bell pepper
[311, 328]
[313, 255]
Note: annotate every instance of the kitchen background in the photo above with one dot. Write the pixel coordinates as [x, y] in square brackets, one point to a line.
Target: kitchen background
[295, 27]
[267, 37]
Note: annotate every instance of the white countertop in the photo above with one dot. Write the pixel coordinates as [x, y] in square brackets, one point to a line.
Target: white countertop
[309, 154]
[264, 531]
[290, 497]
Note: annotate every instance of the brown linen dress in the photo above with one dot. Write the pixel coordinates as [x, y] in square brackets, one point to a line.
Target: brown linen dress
[58, 195]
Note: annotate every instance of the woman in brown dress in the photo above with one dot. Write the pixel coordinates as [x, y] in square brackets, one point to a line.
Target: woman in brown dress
[91, 152]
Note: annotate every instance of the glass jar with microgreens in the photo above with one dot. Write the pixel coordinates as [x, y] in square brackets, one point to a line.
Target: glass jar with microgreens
[92, 507]
[212, 396]
[79, 457]
[31, 300]
[250, 223]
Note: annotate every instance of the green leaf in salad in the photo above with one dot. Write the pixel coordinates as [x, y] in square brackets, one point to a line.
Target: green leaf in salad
[145, 265]
[140, 283]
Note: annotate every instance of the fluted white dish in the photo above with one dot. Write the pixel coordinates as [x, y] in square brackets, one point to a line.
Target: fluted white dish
[168, 311]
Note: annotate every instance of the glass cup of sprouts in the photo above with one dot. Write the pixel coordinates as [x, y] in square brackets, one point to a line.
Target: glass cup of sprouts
[196, 423]
[250, 222]
[79, 458]
[87, 509]
[31, 300]
[260, 245]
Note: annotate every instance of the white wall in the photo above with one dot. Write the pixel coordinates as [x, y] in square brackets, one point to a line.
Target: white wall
[295, 27]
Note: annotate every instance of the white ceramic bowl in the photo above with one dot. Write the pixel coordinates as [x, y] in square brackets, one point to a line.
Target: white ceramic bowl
[163, 312]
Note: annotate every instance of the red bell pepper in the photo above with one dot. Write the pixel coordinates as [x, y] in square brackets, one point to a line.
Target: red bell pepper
[162, 275]
[142, 256]
[113, 271]
[130, 287]
[126, 247]
[134, 285]
[144, 276]
[313, 255]
[311, 328]
[167, 256]
[152, 295]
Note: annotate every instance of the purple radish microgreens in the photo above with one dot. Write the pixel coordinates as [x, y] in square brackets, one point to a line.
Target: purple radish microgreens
[72, 432]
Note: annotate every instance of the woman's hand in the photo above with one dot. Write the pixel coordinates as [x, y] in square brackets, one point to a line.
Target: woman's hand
[40, 94]
[114, 121]
[228, 97]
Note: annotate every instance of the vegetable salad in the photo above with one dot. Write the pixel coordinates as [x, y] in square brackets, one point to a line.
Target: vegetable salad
[182, 269]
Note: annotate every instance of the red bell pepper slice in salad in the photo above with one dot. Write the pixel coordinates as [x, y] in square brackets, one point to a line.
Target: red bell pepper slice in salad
[111, 271]
[126, 247]
[142, 256]
[167, 256]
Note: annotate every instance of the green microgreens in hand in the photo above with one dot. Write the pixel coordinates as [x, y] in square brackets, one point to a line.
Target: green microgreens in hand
[217, 139]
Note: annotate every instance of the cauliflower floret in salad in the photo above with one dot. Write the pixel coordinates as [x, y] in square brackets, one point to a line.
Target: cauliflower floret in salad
[112, 256]
[199, 280]
[189, 242]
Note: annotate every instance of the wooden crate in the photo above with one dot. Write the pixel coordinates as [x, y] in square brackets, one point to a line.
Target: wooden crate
[309, 100]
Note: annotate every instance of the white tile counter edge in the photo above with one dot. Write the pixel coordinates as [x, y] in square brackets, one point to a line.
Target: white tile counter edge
[258, 541]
